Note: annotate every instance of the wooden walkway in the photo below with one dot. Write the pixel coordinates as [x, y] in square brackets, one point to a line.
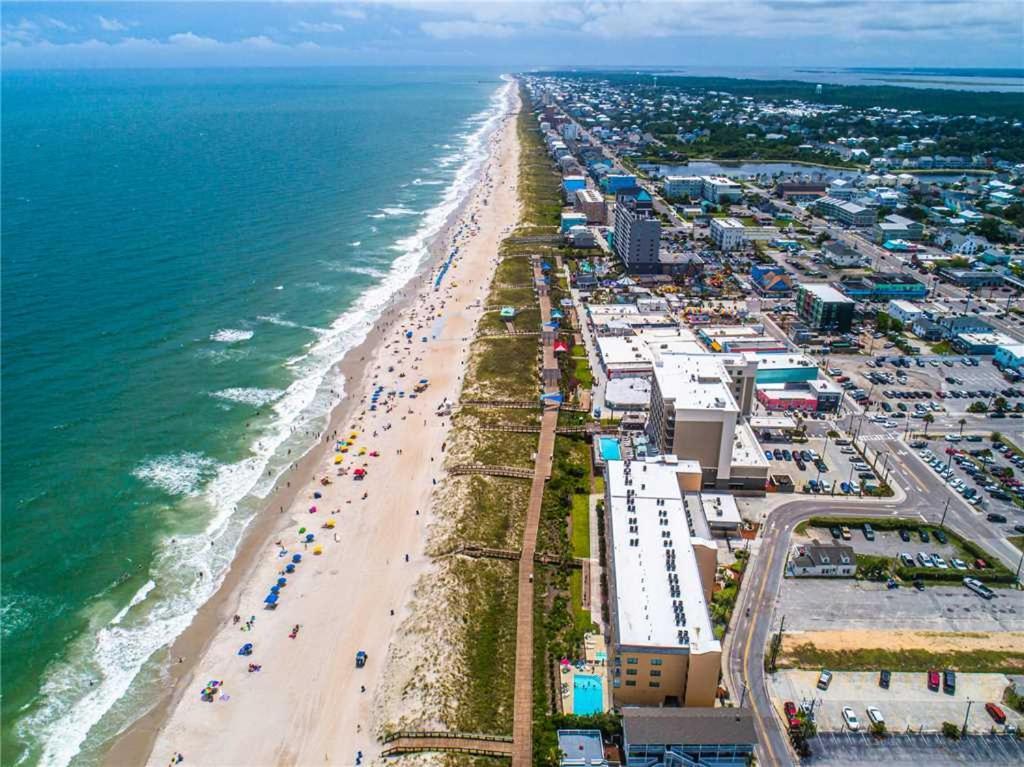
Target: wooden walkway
[450, 742]
[522, 710]
[482, 552]
[492, 471]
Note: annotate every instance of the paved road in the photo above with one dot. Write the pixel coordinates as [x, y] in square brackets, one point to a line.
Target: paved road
[744, 657]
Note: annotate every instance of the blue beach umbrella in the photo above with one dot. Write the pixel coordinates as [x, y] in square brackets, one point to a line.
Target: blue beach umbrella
[271, 599]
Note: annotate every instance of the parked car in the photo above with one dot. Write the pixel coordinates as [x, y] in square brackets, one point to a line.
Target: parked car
[824, 679]
[869, 532]
[904, 535]
[875, 716]
[996, 713]
[836, 532]
[949, 682]
[933, 681]
[884, 678]
[850, 718]
[993, 517]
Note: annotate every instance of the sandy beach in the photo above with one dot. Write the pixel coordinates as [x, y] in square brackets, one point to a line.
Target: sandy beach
[308, 702]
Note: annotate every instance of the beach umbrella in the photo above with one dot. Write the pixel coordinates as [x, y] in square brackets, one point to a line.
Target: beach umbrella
[302, 530]
[271, 599]
[312, 509]
[245, 649]
[309, 537]
[296, 558]
[329, 524]
[282, 581]
[275, 589]
[318, 549]
[337, 459]
[289, 568]
[318, 494]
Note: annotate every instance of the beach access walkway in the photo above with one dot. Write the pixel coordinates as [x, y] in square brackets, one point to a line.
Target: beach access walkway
[522, 711]
[451, 742]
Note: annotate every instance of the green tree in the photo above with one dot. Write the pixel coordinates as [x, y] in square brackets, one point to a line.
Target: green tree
[928, 420]
[963, 423]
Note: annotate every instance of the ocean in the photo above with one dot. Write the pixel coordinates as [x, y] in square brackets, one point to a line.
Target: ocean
[185, 255]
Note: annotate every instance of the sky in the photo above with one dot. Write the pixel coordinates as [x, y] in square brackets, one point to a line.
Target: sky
[515, 35]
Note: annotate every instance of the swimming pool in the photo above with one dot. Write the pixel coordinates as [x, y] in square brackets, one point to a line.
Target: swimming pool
[587, 694]
[609, 447]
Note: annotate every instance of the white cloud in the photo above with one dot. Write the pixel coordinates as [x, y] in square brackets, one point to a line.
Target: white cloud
[112, 25]
[317, 27]
[23, 31]
[349, 13]
[58, 24]
[451, 30]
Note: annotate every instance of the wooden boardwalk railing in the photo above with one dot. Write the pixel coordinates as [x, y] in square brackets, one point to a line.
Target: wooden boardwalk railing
[450, 742]
[492, 471]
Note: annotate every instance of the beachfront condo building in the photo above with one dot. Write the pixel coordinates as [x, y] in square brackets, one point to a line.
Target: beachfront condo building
[695, 415]
[662, 556]
[637, 232]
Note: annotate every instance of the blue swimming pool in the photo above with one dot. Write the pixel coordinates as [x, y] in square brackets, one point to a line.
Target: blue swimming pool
[587, 694]
[609, 447]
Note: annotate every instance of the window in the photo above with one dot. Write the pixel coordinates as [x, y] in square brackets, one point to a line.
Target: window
[630, 672]
[654, 684]
[630, 683]
[632, 661]
[655, 672]
[656, 661]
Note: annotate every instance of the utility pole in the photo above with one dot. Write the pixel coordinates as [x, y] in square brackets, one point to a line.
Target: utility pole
[963, 730]
[943, 520]
[778, 643]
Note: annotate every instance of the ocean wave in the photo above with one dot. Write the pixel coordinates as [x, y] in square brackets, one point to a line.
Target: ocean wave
[248, 396]
[395, 211]
[426, 182]
[177, 474]
[102, 668]
[355, 243]
[231, 335]
[138, 598]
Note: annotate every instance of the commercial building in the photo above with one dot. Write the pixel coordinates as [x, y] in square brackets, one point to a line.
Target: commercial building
[800, 191]
[637, 232]
[954, 325]
[739, 338]
[823, 307]
[719, 189]
[883, 286]
[895, 227]
[904, 311]
[817, 396]
[591, 204]
[695, 416]
[971, 278]
[677, 187]
[784, 367]
[822, 560]
[662, 568]
[981, 343]
[573, 184]
[728, 233]
[676, 737]
[613, 183]
[849, 213]
[1009, 356]
[771, 280]
[841, 255]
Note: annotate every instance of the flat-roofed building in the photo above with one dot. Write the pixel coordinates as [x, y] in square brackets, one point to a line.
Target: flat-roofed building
[695, 416]
[728, 233]
[850, 213]
[590, 203]
[662, 569]
[824, 308]
[637, 232]
[904, 311]
[677, 187]
[718, 189]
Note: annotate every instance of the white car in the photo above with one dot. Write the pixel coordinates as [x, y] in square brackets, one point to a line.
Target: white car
[851, 719]
[939, 562]
[875, 716]
[958, 564]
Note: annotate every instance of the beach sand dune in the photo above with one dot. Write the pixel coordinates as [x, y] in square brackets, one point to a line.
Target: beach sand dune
[375, 587]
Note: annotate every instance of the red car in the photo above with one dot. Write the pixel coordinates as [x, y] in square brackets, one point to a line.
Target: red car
[980, 564]
[933, 681]
[996, 713]
[790, 708]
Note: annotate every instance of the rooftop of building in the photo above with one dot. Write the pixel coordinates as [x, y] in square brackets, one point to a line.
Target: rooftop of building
[781, 360]
[891, 278]
[728, 223]
[695, 382]
[746, 450]
[826, 293]
[986, 339]
[905, 306]
[581, 747]
[650, 531]
[688, 726]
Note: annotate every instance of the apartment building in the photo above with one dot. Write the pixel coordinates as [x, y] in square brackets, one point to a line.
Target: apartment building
[591, 204]
[824, 308]
[728, 233]
[637, 232]
[849, 213]
[663, 651]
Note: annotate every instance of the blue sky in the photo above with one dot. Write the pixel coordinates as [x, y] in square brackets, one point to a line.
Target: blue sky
[516, 35]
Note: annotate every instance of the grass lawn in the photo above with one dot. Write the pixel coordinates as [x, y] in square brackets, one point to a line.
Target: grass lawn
[582, 373]
[581, 525]
[581, 617]
[942, 347]
[514, 271]
[1017, 540]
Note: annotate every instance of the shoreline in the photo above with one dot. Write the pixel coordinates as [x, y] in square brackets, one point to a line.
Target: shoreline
[137, 742]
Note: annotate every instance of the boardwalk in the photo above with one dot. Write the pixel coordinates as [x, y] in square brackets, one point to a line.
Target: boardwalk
[416, 742]
[522, 722]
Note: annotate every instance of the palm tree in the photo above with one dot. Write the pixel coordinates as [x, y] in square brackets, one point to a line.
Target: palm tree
[928, 419]
[963, 423]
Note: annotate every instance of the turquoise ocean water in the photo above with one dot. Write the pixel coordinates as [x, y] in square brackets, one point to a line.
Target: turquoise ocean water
[184, 255]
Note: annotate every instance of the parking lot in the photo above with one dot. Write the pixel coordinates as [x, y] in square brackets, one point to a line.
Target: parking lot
[840, 476]
[818, 604]
[859, 749]
[908, 704]
[951, 383]
[967, 475]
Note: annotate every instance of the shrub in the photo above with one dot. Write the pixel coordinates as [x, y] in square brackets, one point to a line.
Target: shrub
[951, 730]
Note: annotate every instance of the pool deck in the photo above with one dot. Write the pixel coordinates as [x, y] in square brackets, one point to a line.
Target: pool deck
[592, 644]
